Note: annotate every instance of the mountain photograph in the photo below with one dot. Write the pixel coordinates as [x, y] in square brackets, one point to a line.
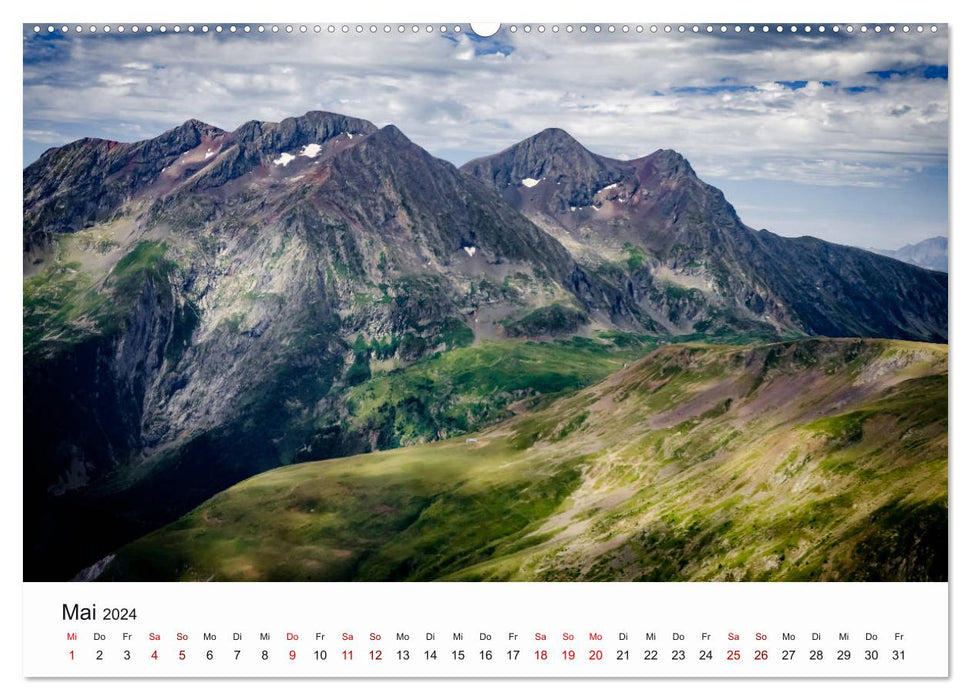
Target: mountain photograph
[427, 334]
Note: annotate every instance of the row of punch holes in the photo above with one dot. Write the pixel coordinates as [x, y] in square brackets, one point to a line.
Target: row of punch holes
[514, 28]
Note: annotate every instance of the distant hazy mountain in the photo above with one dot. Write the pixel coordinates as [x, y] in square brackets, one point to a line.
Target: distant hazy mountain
[930, 253]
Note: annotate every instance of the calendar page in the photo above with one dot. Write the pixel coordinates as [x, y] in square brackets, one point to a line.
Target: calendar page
[437, 349]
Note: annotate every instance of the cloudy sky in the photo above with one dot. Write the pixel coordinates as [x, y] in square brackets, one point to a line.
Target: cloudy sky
[842, 136]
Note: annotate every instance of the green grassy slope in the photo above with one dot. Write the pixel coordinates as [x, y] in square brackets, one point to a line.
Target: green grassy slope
[815, 459]
[468, 388]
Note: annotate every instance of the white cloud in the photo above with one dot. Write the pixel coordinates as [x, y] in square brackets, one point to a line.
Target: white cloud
[617, 93]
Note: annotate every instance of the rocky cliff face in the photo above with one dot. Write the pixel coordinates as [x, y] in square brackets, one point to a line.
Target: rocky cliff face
[197, 306]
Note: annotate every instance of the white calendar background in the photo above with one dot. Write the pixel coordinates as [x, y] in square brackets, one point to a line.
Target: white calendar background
[919, 611]
[487, 630]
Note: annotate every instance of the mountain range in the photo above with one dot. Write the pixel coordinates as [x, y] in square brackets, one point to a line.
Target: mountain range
[207, 305]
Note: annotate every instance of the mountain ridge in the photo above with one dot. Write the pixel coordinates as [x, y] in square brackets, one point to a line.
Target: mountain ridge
[658, 216]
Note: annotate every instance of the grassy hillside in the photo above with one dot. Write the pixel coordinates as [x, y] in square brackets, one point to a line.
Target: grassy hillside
[815, 459]
[468, 388]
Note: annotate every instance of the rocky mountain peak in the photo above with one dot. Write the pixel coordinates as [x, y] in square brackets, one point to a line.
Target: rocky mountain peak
[552, 153]
[393, 136]
[669, 161]
[312, 127]
[261, 141]
[196, 127]
[555, 158]
[553, 138]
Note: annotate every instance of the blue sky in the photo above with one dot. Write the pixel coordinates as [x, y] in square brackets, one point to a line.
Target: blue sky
[835, 135]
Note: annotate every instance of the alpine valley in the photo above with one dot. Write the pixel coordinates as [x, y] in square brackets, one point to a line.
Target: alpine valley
[545, 364]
